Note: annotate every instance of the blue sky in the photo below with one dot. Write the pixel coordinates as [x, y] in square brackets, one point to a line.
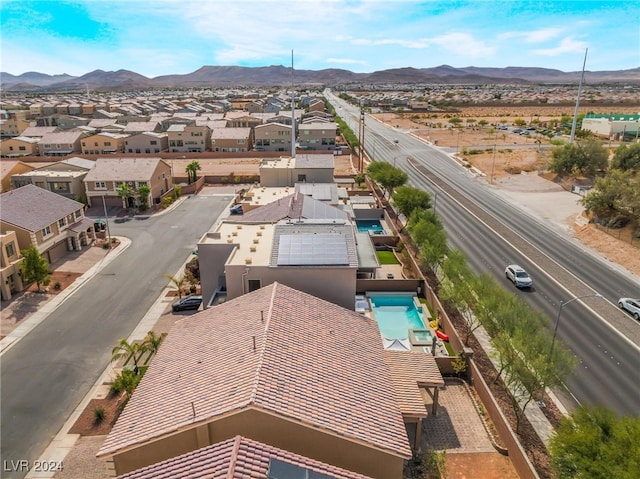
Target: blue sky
[162, 37]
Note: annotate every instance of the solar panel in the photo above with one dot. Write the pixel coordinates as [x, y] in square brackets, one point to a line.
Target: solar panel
[312, 249]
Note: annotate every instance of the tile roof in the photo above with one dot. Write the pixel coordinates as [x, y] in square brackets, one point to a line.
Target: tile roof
[123, 169]
[409, 371]
[238, 457]
[294, 206]
[276, 349]
[32, 208]
[230, 133]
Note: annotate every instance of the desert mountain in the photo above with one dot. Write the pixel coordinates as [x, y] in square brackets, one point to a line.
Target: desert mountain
[278, 75]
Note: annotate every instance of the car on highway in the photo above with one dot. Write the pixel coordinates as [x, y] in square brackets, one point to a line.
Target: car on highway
[518, 276]
[395, 140]
[631, 306]
[191, 302]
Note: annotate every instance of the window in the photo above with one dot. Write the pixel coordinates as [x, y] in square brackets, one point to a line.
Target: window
[240, 142]
[10, 249]
[21, 148]
[253, 284]
[107, 143]
[58, 187]
[101, 185]
[83, 144]
[153, 142]
[46, 231]
[95, 143]
[142, 183]
[62, 222]
[11, 148]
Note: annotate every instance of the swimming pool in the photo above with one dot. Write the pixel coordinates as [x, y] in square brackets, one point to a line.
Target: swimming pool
[396, 314]
[371, 226]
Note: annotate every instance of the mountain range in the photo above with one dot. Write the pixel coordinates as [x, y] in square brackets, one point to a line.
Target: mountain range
[278, 75]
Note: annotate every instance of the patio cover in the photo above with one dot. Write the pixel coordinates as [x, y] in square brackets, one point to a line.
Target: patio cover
[82, 225]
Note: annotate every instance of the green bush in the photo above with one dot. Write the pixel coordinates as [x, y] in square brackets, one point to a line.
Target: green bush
[99, 414]
[57, 286]
[106, 246]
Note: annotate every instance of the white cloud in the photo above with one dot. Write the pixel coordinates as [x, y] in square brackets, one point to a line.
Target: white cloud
[567, 45]
[351, 61]
[534, 36]
[464, 44]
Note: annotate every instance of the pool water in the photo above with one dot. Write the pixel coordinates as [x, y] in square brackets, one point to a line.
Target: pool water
[396, 315]
[365, 226]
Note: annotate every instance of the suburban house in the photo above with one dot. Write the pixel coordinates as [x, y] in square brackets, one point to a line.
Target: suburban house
[52, 223]
[19, 146]
[316, 105]
[102, 182]
[63, 177]
[235, 457]
[188, 138]
[231, 139]
[61, 143]
[8, 168]
[15, 124]
[279, 367]
[317, 136]
[10, 274]
[136, 127]
[103, 143]
[146, 142]
[38, 131]
[286, 171]
[239, 119]
[272, 137]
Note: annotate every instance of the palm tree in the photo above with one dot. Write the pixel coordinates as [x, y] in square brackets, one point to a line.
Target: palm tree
[143, 196]
[152, 343]
[128, 351]
[178, 282]
[192, 171]
[124, 192]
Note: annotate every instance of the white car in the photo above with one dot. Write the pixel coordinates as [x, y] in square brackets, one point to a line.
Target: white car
[632, 306]
[518, 276]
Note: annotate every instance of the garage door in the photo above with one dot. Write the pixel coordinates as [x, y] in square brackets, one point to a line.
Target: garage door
[57, 252]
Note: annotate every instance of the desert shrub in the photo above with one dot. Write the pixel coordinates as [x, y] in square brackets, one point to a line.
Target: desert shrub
[166, 201]
[106, 245]
[616, 221]
[99, 414]
[224, 180]
[475, 152]
[57, 286]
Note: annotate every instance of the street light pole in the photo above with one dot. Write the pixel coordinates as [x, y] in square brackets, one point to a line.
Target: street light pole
[562, 305]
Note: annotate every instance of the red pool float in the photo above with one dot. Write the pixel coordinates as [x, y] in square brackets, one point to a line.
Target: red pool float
[442, 336]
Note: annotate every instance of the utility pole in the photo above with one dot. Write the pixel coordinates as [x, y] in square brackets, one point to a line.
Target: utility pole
[293, 113]
[106, 220]
[575, 113]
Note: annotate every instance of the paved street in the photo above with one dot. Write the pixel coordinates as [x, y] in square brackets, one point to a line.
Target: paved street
[48, 372]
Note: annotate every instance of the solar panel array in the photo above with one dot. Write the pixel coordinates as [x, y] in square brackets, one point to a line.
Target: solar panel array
[312, 249]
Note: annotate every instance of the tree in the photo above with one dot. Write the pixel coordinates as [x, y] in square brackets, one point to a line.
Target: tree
[124, 192]
[627, 157]
[594, 443]
[455, 121]
[387, 176]
[192, 171]
[35, 267]
[407, 199]
[359, 179]
[128, 352]
[151, 344]
[178, 282]
[143, 196]
[606, 198]
[579, 158]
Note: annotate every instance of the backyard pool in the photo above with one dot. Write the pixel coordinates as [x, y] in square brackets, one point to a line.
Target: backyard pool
[370, 226]
[396, 314]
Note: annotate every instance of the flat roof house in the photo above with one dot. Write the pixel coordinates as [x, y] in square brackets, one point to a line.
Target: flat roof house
[277, 366]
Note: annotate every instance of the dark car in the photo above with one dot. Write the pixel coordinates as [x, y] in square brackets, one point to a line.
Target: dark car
[236, 210]
[192, 302]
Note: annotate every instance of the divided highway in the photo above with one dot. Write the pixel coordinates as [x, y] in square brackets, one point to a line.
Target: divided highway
[493, 233]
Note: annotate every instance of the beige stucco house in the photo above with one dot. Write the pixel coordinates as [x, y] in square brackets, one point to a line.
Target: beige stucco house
[231, 139]
[52, 223]
[63, 177]
[188, 138]
[8, 168]
[147, 142]
[103, 143]
[317, 136]
[272, 137]
[277, 366]
[19, 146]
[10, 275]
[61, 143]
[110, 172]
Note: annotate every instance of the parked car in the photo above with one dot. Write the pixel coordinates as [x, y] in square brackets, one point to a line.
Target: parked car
[236, 210]
[191, 302]
[518, 276]
[395, 140]
[630, 305]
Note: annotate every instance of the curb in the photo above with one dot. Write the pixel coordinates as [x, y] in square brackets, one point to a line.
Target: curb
[51, 305]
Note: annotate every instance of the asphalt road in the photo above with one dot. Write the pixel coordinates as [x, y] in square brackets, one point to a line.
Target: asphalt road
[493, 233]
[47, 373]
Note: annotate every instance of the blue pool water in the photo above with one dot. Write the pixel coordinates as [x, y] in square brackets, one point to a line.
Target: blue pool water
[369, 225]
[396, 315]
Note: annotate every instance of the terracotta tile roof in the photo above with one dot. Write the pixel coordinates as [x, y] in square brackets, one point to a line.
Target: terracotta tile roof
[314, 363]
[230, 133]
[123, 169]
[32, 208]
[409, 371]
[235, 458]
